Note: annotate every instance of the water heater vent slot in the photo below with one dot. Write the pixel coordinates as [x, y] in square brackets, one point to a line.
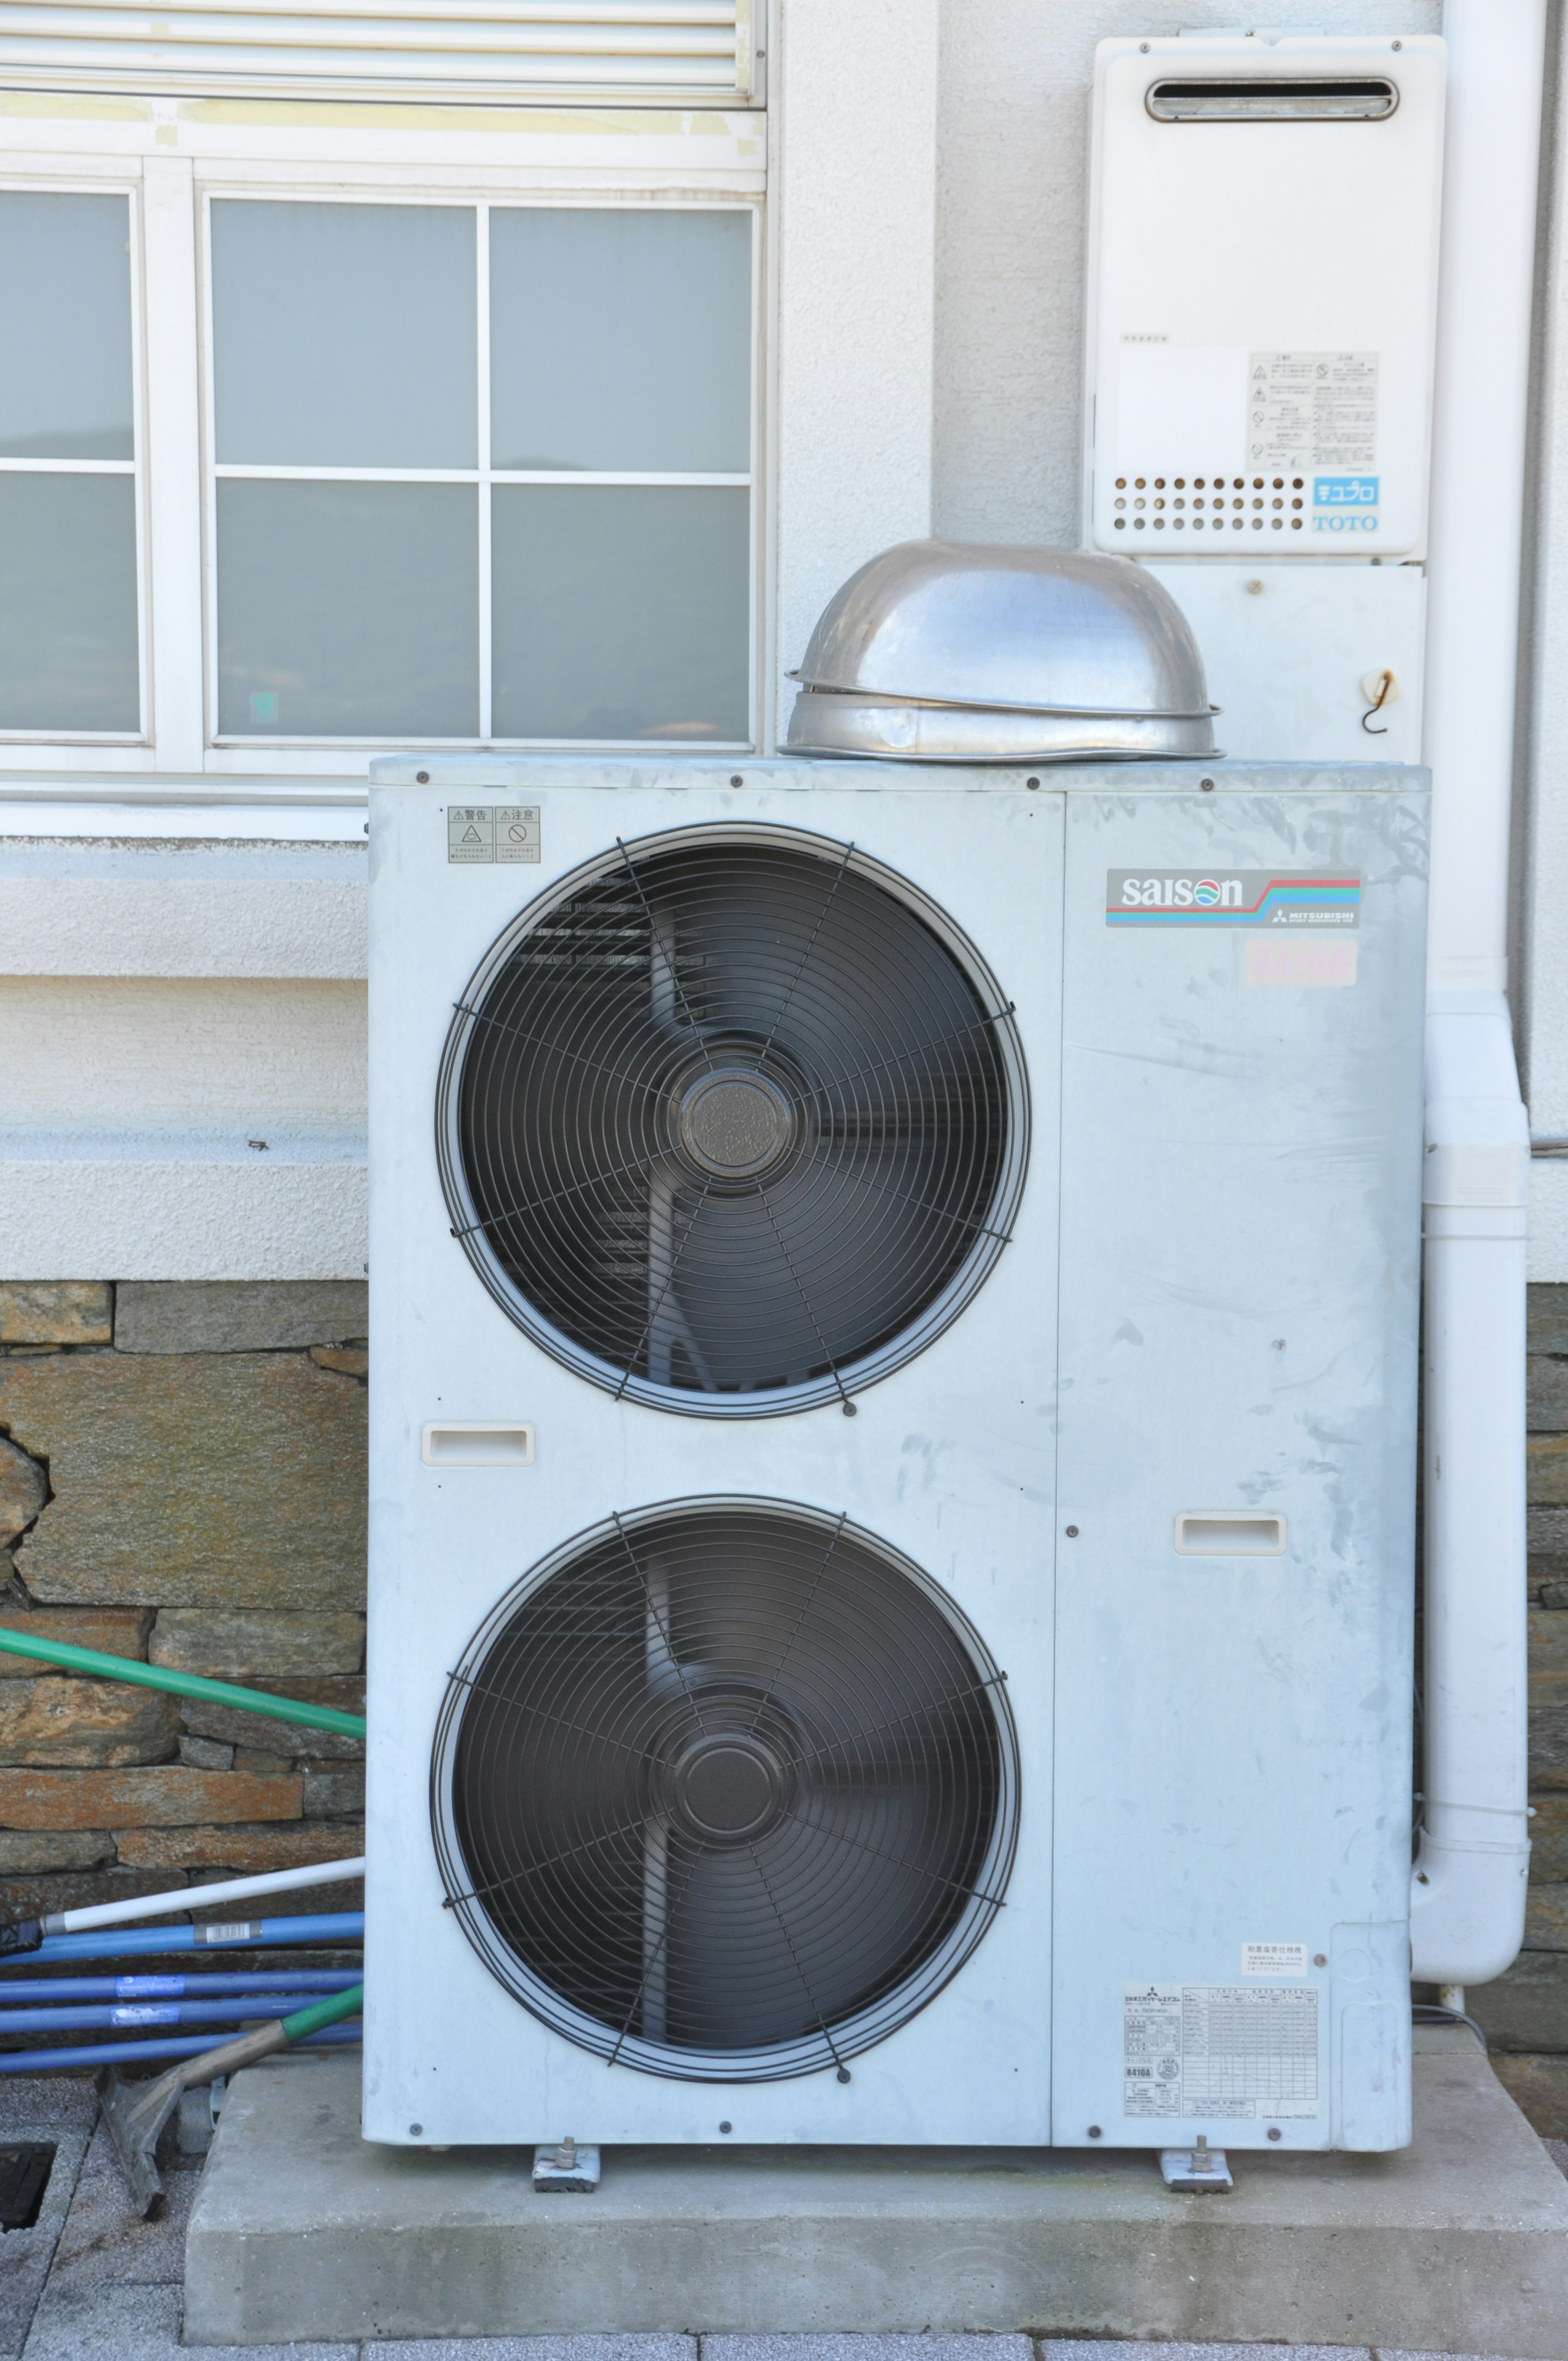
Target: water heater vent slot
[1255, 98]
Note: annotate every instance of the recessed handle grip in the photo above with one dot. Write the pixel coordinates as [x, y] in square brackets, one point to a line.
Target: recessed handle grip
[478, 1443]
[1228, 1532]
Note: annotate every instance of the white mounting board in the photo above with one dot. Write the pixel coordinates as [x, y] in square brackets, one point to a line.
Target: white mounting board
[1285, 662]
[1263, 302]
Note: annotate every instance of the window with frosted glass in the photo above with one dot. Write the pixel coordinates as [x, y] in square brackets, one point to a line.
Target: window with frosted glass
[68, 650]
[482, 471]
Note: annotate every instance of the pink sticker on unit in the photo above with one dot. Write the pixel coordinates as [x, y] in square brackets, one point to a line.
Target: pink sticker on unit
[1301, 958]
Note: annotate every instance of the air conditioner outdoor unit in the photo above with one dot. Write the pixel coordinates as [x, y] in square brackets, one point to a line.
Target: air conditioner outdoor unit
[894, 1295]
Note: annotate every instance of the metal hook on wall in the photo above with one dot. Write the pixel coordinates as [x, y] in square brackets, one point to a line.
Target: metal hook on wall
[1382, 688]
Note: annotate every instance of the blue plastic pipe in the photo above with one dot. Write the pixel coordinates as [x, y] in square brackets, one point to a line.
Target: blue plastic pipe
[197, 1987]
[262, 2005]
[119, 2053]
[128, 1943]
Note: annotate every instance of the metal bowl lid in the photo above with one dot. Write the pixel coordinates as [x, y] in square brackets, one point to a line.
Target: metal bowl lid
[1041, 631]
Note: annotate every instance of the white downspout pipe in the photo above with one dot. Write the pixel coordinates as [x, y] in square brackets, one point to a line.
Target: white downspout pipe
[1467, 1895]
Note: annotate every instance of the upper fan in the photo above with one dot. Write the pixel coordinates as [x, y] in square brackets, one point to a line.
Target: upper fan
[725, 1790]
[733, 1120]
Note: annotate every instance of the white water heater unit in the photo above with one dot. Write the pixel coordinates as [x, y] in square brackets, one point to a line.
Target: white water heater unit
[894, 1303]
[1262, 315]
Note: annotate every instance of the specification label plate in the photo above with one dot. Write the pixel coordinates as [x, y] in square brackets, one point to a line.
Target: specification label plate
[1242, 2050]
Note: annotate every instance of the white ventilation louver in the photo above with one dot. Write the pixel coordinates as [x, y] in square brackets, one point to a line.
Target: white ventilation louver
[480, 50]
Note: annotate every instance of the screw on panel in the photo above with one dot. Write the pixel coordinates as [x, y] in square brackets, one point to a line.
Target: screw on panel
[737, 779]
[1274, 2131]
[421, 778]
[1072, 1532]
[1094, 2131]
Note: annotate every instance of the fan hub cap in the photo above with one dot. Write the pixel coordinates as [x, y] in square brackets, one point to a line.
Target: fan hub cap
[734, 1123]
[728, 1788]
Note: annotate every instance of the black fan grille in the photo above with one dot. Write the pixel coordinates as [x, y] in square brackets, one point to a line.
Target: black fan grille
[733, 1122]
[727, 1790]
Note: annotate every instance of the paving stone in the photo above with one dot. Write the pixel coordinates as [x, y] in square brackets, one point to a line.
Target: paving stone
[230, 1644]
[349, 1361]
[247, 1316]
[141, 2324]
[24, 1487]
[1539, 2089]
[105, 2243]
[55, 1311]
[29, 1852]
[192, 1480]
[88, 1724]
[114, 1630]
[334, 1794]
[293, 1844]
[237, 1727]
[166, 1797]
[1071, 2348]
[1557, 2149]
[567, 2349]
[206, 1754]
[39, 2107]
[870, 2348]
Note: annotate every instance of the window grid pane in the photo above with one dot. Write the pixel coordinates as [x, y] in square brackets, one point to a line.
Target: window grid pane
[70, 628]
[696, 568]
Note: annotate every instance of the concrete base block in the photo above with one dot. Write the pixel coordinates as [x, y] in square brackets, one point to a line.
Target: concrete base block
[1458, 2244]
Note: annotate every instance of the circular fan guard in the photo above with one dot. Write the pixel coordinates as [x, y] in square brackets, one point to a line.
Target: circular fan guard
[727, 1790]
[734, 1121]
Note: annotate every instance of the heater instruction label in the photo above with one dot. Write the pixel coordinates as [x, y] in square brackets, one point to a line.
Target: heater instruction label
[1245, 2051]
[1312, 411]
[492, 832]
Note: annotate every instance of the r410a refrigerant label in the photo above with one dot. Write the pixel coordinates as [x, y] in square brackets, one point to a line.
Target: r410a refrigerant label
[492, 832]
[1235, 897]
[1243, 2050]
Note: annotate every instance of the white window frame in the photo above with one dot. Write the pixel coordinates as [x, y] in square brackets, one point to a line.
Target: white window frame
[175, 155]
[81, 182]
[483, 476]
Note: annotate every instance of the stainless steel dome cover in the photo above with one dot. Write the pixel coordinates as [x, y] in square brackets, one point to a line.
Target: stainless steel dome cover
[1038, 631]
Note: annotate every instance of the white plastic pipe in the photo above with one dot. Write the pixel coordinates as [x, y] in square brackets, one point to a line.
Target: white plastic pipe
[187, 1897]
[1467, 1894]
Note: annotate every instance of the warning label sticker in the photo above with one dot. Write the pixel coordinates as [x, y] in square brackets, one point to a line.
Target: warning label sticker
[1248, 2051]
[492, 832]
[1312, 411]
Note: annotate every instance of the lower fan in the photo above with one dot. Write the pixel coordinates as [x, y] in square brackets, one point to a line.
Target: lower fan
[725, 1790]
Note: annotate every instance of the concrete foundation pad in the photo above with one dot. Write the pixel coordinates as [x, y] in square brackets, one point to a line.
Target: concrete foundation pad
[1458, 2244]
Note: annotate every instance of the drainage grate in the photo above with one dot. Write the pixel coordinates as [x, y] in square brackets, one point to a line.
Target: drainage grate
[24, 2169]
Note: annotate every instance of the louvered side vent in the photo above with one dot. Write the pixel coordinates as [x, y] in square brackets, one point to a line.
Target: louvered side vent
[489, 49]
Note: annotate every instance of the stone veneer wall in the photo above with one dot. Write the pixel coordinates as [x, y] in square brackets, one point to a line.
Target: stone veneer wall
[183, 1479]
[1525, 2013]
